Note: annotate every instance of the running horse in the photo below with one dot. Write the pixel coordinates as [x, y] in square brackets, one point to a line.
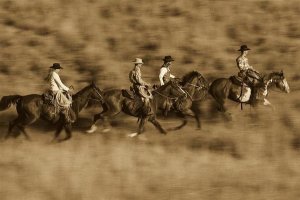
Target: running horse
[196, 88]
[32, 107]
[115, 102]
[226, 88]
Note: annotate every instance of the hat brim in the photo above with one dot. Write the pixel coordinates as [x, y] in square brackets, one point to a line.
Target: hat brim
[168, 60]
[244, 49]
[56, 67]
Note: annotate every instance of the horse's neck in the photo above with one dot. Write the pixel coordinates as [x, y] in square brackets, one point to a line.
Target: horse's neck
[268, 81]
[80, 100]
[190, 88]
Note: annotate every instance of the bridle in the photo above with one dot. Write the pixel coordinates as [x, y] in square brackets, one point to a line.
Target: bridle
[98, 93]
[195, 86]
[172, 98]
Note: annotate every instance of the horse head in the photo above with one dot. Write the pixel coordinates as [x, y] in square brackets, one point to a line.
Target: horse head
[194, 79]
[279, 80]
[171, 89]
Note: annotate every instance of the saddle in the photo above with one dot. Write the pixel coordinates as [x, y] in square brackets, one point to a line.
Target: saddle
[129, 93]
[48, 98]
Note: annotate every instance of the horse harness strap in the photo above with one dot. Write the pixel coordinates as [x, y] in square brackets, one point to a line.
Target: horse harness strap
[196, 86]
[173, 98]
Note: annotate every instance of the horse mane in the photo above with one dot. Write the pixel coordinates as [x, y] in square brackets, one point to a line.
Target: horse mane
[164, 86]
[80, 92]
[272, 74]
[187, 77]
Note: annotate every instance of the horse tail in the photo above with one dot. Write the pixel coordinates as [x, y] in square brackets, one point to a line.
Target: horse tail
[7, 101]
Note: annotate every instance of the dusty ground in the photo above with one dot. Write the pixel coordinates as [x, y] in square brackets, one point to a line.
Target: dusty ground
[255, 156]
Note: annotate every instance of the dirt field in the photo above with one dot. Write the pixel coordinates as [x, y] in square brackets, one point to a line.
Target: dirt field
[255, 156]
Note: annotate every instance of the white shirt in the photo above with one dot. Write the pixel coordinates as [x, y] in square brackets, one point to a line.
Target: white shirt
[242, 63]
[56, 84]
[162, 73]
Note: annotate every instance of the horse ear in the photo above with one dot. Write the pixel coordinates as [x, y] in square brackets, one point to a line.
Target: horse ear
[93, 83]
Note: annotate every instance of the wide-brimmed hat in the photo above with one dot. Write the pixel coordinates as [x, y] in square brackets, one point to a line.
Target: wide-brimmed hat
[138, 61]
[244, 48]
[168, 59]
[56, 66]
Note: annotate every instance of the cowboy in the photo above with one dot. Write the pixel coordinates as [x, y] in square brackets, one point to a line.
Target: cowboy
[246, 71]
[60, 92]
[164, 74]
[140, 87]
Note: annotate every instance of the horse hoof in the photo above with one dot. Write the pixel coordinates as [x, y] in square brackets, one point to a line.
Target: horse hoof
[92, 129]
[132, 135]
[105, 130]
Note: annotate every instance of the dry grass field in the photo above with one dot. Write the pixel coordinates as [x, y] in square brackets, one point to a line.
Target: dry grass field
[254, 156]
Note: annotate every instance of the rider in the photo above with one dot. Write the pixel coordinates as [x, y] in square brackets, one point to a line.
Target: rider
[164, 74]
[246, 71]
[60, 91]
[139, 85]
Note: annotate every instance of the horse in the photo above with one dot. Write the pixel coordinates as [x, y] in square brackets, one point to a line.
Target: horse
[32, 107]
[226, 88]
[196, 88]
[115, 102]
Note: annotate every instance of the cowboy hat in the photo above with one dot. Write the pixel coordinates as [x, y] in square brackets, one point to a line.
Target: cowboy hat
[168, 59]
[56, 66]
[138, 61]
[244, 48]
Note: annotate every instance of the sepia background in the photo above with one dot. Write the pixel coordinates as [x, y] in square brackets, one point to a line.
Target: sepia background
[255, 156]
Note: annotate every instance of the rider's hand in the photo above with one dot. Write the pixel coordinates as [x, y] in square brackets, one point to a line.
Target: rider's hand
[71, 88]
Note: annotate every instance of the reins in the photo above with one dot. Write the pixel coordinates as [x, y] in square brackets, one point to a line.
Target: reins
[173, 98]
[196, 86]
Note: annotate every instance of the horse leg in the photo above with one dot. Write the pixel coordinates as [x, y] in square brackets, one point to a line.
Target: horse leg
[196, 112]
[22, 129]
[197, 118]
[140, 129]
[153, 120]
[183, 115]
[268, 103]
[58, 130]
[25, 121]
[221, 105]
[10, 127]
[21, 121]
[93, 128]
[68, 129]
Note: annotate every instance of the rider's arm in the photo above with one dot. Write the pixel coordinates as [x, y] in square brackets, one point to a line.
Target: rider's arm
[138, 78]
[163, 71]
[59, 83]
[172, 76]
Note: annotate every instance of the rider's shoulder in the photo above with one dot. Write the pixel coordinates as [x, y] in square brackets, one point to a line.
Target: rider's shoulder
[239, 57]
[54, 74]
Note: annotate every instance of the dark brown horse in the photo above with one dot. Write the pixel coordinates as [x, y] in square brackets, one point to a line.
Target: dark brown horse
[116, 102]
[223, 88]
[196, 88]
[32, 107]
